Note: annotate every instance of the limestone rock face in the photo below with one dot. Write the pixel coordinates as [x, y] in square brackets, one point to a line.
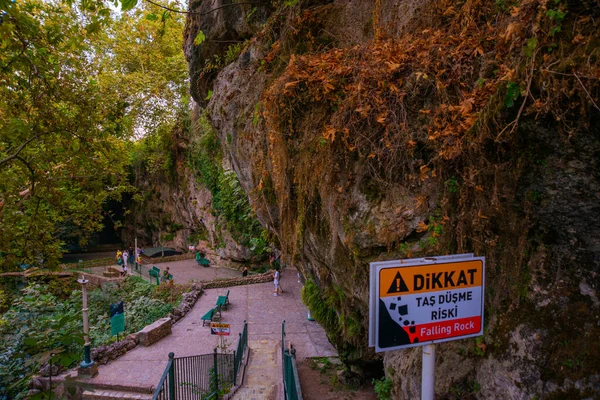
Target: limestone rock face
[175, 211]
[534, 202]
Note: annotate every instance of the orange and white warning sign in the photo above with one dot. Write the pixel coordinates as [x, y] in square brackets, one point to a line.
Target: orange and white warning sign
[426, 300]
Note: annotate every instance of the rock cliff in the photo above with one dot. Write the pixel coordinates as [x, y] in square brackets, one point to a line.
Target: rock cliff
[367, 131]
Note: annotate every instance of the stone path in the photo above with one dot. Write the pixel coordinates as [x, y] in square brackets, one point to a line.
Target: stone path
[143, 366]
[262, 380]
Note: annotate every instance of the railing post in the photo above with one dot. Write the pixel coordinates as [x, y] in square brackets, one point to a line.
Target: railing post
[283, 357]
[216, 378]
[234, 368]
[172, 377]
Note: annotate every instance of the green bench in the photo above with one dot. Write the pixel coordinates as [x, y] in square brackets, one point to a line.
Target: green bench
[155, 273]
[223, 301]
[210, 315]
[201, 260]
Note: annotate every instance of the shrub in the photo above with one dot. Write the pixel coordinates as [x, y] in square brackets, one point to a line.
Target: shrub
[383, 388]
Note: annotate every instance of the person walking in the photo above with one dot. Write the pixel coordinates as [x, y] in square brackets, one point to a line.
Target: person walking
[245, 271]
[124, 271]
[125, 257]
[276, 278]
[131, 255]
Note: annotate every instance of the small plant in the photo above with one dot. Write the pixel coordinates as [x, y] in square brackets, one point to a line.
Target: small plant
[383, 388]
[557, 16]
[512, 94]
[233, 51]
[480, 346]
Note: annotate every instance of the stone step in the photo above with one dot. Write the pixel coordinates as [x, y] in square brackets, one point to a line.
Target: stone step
[107, 394]
[262, 380]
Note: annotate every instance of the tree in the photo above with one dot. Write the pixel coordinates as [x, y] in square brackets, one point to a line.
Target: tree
[60, 139]
[141, 63]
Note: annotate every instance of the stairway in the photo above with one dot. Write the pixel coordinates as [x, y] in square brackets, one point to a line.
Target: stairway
[263, 377]
[114, 392]
[106, 394]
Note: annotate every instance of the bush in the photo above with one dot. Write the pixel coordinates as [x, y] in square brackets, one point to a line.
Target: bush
[383, 388]
[36, 324]
[39, 323]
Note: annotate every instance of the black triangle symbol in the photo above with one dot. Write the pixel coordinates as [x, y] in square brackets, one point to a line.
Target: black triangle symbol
[398, 285]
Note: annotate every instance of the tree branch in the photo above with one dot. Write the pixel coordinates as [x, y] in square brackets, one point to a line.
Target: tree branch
[206, 12]
[30, 168]
[515, 123]
[586, 92]
[18, 151]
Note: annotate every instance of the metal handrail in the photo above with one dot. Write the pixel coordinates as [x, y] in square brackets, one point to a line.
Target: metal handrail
[183, 374]
[238, 355]
[291, 381]
[167, 372]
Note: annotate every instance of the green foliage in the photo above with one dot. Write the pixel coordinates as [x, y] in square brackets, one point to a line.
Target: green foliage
[168, 237]
[127, 5]
[56, 127]
[512, 94]
[39, 323]
[230, 201]
[319, 308]
[36, 324]
[199, 39]
[233, 52]
[383, 388]
[256, 115]
[557, 16]
[451, 185]
[530, 46]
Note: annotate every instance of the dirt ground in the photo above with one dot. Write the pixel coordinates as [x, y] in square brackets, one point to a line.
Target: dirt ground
[318, 379]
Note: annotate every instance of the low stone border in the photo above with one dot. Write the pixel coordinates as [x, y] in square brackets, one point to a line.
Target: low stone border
[220, 283]
[158, 260]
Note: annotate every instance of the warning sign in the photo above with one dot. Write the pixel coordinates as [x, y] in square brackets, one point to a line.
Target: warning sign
[426, 300]
[217, 328]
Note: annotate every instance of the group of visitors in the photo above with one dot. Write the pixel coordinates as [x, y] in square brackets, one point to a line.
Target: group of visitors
[128, 256]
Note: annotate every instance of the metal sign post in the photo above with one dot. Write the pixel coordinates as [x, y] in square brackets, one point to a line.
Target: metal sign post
[428, 372]
[423, 301]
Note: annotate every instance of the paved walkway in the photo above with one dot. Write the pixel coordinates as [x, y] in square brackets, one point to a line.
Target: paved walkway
[143, 366]
[188, 270]
[183, 271]
[262, 380]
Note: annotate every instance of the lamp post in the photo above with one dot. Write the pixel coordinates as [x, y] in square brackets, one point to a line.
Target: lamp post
[87, 366]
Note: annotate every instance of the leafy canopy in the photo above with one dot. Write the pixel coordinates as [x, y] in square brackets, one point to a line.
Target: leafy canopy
[77, 82]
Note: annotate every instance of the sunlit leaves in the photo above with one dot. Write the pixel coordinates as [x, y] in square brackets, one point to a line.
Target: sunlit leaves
[56, 153]
[199, 39]
[128, 4]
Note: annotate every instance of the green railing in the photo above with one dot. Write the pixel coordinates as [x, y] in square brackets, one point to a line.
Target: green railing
[203, 377]
[238, 354]
[291, 382]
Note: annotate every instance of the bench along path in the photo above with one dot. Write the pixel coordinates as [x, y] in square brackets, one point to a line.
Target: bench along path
[140, 369]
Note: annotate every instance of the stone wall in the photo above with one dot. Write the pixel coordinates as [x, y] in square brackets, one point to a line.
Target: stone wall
[158, 260]
[155, 331]
[219, 283]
